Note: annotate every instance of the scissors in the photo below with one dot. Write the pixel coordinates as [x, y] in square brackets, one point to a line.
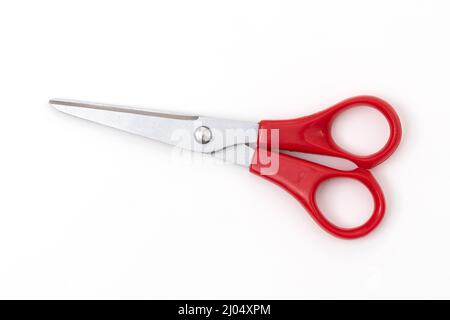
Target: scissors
[260, 147]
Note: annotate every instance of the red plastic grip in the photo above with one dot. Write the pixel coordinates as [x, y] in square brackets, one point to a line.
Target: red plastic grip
[301, 178]
[312, 134]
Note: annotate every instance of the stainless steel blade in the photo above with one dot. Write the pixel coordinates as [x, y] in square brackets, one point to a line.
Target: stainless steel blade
[171, 128]
[241, 154]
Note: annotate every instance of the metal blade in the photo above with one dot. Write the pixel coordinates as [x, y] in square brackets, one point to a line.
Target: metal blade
[241, 154]
[171, 128]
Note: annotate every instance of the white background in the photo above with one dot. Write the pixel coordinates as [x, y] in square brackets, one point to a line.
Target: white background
[91, 212]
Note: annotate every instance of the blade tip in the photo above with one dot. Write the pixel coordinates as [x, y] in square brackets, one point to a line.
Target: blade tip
[55, 103]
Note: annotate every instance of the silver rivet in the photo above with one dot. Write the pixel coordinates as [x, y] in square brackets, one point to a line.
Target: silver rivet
[203, 135]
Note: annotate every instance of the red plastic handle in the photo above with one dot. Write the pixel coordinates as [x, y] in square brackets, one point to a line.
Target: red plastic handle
[301, 178]
[312, 134]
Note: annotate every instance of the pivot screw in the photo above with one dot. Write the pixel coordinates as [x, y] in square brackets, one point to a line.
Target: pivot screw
[203, 135]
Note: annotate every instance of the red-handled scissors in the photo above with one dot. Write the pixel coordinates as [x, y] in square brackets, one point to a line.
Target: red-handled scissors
[260, 146]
